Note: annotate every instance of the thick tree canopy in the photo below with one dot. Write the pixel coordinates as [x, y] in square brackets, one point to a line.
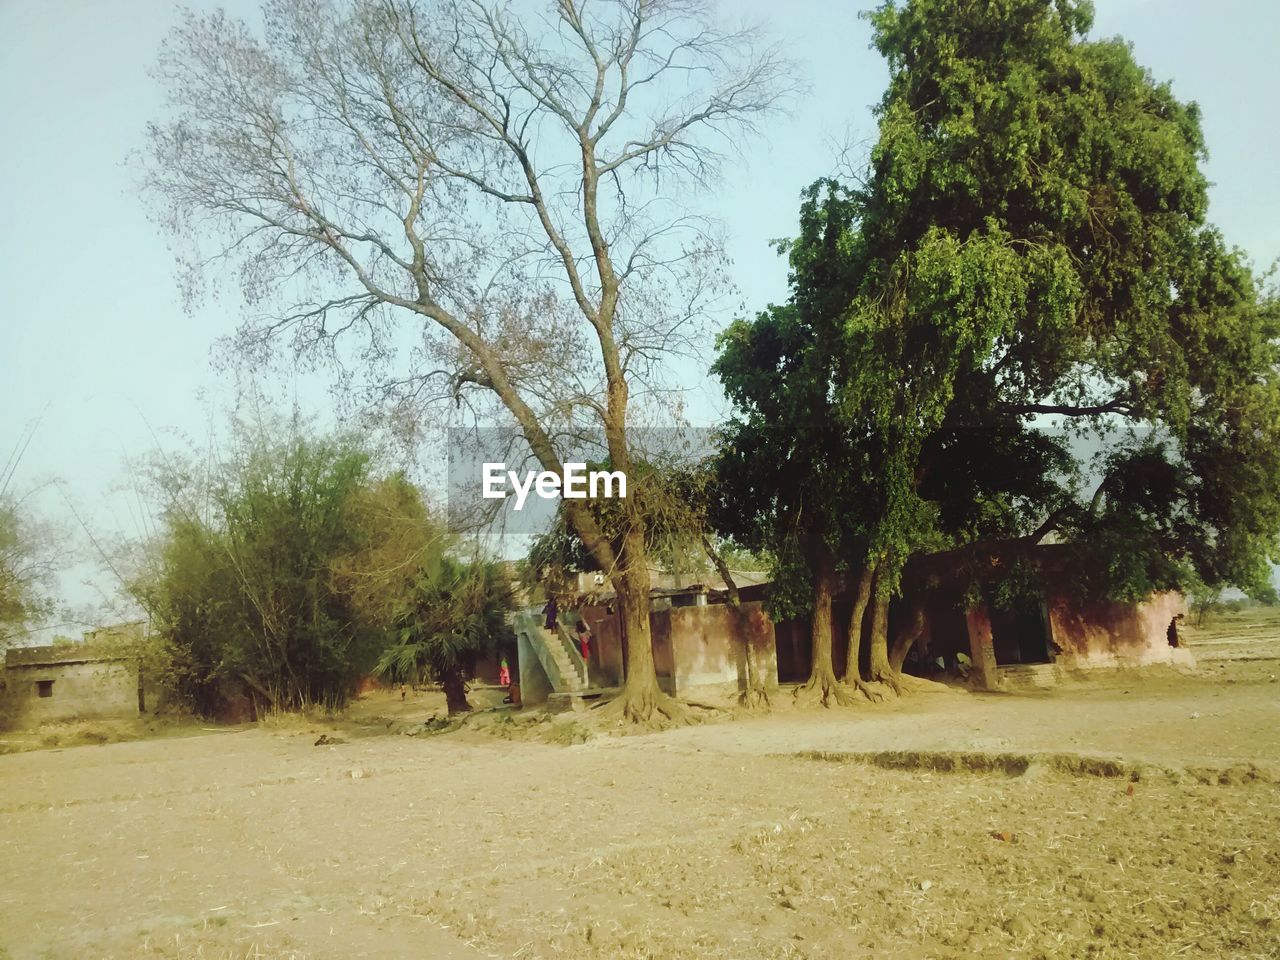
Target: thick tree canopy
[1029, 248]
[1033, 238]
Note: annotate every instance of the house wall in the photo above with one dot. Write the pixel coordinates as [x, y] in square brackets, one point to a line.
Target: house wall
[100, 689]
[1113, 634]
[700, 647]
[663, 651]
[694, 647]
[707, 646]
[608, 651]
[606, 645]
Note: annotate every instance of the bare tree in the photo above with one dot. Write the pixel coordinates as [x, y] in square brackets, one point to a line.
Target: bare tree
[502, 195]
[31, 550]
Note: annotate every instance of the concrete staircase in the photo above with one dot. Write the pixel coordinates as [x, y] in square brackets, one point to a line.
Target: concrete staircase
[551, 666]
[554, 651]
[572, 672]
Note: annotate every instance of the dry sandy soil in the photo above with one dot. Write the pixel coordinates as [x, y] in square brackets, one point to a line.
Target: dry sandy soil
[1134, 816]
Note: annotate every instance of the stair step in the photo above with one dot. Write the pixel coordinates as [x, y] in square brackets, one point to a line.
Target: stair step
[572, 672]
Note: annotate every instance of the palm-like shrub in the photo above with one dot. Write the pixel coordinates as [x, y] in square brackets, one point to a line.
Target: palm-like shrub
[453, 612]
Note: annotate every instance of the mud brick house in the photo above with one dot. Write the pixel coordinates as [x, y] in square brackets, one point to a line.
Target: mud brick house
[1038, 640]
[697, 644]
[698, 638]
[69, 681]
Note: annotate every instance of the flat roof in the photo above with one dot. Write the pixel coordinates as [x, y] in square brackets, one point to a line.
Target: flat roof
[53, 656]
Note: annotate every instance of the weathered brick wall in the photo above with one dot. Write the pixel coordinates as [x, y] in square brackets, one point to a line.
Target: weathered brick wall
[1111, 634]
[89, 690]
[707, 646]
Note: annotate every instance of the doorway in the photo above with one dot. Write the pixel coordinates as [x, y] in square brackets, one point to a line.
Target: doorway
[1020, 633]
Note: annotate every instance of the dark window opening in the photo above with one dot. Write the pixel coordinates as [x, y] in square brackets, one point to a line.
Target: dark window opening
[44, 688]
[1020, 634]
[794, 646]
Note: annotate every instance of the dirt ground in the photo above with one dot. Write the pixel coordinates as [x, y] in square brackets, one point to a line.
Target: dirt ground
[1136, 815]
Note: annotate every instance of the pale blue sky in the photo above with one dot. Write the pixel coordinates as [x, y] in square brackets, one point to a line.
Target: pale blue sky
[95, 339]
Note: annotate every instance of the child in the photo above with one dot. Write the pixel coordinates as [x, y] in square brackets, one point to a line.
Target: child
[504, 674]
[584, 640]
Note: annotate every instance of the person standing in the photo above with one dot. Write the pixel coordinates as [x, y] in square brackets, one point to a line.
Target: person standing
[584, 640]
[551, 611]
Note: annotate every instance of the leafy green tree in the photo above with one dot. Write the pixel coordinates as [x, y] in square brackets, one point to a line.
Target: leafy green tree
[439, 611]
[454, 613]
[1030, 241]
[1033, 243]
[790, 483]
[243, 590]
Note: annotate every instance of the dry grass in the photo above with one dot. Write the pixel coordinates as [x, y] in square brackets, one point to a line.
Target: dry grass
[78, 733]
[185, 948]
[1119, 822]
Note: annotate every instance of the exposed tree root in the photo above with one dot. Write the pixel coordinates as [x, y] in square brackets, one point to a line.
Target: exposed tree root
[826, 690]
[889, 679]
[650, 708]
[904, 683]
[755, 697]
[864, 688]
[919, 684]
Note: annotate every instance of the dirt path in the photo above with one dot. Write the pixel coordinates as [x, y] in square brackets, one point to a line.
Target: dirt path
[1164, 717]
[712, 842]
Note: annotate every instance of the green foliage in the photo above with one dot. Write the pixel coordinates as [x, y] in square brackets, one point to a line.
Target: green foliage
[784, 464]
[438, 611]
[1034, 241]
[1029, 240]
[558, 554]
[453, 612]
[290, 572]
[243, 592]
[673, 497]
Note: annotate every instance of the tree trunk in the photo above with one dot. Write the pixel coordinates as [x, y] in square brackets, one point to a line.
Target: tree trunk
[907, 638]
[455, 692]
[259, 687]
[822, 684]
[852, 668]
[755, 696]
[641, 700]
[881, 670]
[902, 644]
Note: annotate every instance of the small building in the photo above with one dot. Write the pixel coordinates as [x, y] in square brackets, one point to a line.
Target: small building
[698, 639]
[1038, 637]
[698, 643]
[67, 681]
